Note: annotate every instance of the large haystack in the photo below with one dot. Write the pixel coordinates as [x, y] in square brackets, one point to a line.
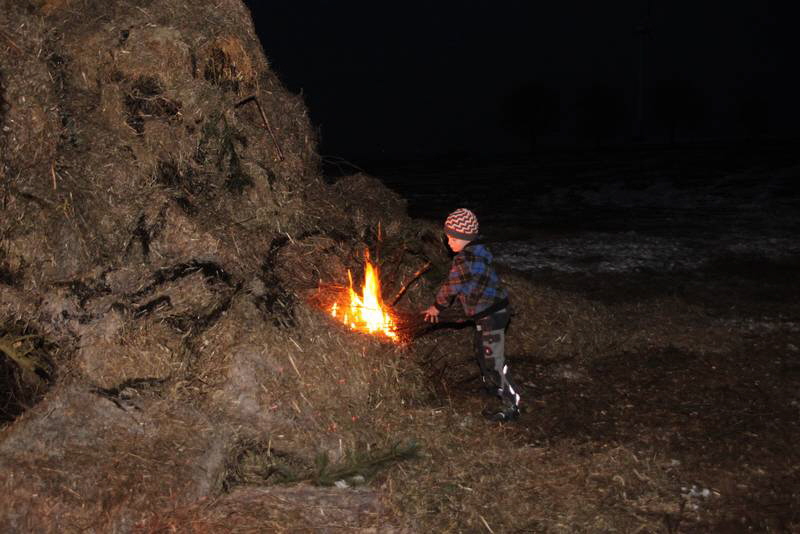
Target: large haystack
[164, 229]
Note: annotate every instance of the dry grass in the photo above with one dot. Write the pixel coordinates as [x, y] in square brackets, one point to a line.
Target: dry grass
[49, 7]
[225, 62]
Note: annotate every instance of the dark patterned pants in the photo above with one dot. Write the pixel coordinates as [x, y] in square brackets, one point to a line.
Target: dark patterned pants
[490, 353]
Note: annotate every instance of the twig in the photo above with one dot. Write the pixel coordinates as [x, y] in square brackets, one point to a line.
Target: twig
[296, 370]
[422, 270]
[378, 244]
[12, 43]
[254, 98]
[335, 160]
[486, 524]
[396, 261]
[53, 174]
[412, 325]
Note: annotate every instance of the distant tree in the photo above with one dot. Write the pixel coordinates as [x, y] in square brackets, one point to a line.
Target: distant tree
[601, 112]
[678, 107]
[530, 111]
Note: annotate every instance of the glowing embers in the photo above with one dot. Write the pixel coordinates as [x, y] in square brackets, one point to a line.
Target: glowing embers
[365, 312]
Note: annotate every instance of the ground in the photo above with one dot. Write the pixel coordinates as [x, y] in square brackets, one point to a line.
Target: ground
[677, 410]
[663, 440]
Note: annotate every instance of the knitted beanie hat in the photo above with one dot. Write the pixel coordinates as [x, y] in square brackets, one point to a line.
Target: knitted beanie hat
[461, 224]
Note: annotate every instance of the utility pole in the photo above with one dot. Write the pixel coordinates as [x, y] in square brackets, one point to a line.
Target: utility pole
[643, 29]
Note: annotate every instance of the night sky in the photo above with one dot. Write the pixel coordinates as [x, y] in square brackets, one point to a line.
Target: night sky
[395, 80]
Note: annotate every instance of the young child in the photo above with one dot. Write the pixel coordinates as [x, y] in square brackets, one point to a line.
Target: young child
[474, 283]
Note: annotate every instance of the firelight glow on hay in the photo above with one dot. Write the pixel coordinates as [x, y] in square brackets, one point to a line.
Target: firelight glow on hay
[366, 312]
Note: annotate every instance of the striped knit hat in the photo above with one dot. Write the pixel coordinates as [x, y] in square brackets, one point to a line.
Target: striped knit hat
[462, 224]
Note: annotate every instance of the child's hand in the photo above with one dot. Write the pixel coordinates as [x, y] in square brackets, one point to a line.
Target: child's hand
[432, 314]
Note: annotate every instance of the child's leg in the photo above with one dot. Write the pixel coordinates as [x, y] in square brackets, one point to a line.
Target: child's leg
[491, 331]
[490, 382]
[495, 341]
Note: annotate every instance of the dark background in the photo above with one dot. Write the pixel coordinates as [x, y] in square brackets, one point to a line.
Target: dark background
[418, 80]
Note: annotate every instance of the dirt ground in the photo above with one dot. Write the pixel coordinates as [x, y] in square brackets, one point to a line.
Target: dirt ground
[653, 400]
[693, 430]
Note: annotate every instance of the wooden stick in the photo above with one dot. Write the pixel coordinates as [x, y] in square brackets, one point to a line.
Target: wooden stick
[413, 325]
[254, 98]
[378, 245]
[422, 270]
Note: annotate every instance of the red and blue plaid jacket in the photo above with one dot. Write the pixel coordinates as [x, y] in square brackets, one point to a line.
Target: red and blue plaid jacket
[473, 281]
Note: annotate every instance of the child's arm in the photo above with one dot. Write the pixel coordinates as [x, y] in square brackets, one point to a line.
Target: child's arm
[457, 282]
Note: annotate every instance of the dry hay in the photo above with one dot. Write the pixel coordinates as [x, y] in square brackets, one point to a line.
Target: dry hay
[150, 214]
[162, 143]
[225, 62]
[27, 369]
[48, 7]
[369, 202]
[99, 463]
[280, 510]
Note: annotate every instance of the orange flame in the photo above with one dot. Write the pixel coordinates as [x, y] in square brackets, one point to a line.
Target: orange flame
[366, 312]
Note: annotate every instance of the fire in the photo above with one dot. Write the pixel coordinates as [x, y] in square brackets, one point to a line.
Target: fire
[366, 312]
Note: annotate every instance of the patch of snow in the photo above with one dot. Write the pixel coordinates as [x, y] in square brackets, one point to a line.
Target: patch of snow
[694, 492]
[598, 252]
[694, 496]
[761, 327]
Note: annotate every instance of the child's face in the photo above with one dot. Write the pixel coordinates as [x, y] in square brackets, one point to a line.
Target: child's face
[456, 244]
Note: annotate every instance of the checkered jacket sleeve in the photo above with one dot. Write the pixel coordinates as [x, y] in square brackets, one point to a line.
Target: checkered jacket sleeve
[457, 282]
